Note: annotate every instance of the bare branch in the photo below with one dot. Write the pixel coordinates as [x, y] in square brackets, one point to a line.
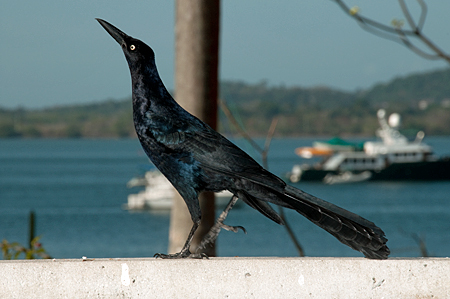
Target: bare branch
[396, 33]
[289, 230]
[236, 124]
[269, 136]
[416, 50]
[264, 152]
[423, 14]
[407, 14]
[364, 21]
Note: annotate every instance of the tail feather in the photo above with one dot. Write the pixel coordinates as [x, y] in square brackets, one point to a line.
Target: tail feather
[261, 206]
[349, 228]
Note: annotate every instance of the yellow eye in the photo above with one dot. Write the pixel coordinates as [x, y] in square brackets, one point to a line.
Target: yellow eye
[132, 47]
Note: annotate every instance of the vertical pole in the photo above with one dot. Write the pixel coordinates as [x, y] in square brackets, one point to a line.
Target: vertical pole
[196, 89]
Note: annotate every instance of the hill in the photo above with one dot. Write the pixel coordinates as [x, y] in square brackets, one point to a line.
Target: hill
[110, 118]
[432, 87]
[423, 100]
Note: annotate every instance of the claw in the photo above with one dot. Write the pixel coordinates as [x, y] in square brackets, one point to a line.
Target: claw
[234, 229]
[181, 255]
[184, 253]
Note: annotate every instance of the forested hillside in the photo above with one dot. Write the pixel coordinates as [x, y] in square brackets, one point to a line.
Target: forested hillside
[106, 119]
[423, 100]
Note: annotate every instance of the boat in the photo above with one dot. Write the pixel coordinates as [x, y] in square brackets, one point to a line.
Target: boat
[158, 193]
[394, 158]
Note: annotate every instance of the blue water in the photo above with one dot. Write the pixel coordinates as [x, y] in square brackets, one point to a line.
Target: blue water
[77, 188]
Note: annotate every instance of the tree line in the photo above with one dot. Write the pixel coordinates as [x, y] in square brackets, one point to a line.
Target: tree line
[423, 101]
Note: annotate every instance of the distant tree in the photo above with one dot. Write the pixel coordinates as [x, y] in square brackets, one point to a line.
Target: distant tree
[31, 131]
[123, 126]
[73, 130]
[7, 130]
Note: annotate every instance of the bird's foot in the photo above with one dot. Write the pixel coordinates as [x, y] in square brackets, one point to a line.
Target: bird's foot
[181, 255]
[213, 233]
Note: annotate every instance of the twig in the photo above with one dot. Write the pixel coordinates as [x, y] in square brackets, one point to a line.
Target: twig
[269, 136]
[264, 153]
[290, 232]
[396, 33]
[422, 245]
[241, 131]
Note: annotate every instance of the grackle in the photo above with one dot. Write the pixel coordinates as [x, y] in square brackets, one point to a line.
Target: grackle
[196, 158]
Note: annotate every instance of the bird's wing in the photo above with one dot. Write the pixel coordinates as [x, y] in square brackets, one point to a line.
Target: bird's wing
[216, 153]
[223, 156]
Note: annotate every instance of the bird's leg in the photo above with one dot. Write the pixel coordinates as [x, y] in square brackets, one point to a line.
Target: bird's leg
[213, 233]
[185, 252]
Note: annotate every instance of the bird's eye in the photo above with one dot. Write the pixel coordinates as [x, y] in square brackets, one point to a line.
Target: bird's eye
[132, 47]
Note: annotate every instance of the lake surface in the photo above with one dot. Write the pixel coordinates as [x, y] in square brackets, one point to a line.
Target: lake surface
[77, 189]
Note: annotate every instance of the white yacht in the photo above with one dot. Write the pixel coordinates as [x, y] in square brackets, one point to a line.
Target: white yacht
[392, 158]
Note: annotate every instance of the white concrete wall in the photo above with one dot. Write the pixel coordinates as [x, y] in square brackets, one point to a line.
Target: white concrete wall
[227, 278]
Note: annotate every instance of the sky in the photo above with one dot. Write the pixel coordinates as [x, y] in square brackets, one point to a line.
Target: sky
[54, 53]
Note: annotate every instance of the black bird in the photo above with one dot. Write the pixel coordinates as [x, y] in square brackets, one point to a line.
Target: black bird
[196, 158]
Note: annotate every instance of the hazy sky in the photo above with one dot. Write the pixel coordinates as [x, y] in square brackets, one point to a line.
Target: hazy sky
[55, 53]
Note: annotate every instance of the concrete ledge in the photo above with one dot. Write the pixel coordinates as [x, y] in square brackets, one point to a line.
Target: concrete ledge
[227, 278]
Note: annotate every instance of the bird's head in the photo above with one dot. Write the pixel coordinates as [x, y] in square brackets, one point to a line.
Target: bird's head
[136, 52]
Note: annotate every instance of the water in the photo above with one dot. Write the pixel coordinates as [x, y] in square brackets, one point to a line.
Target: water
[77, 188]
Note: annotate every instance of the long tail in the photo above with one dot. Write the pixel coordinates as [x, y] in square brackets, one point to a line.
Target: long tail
[349, 228]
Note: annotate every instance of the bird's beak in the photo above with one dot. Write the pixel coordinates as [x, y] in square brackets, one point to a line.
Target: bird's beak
[116, 33]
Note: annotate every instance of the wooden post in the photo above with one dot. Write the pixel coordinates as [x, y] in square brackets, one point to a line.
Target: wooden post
[196, 89]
